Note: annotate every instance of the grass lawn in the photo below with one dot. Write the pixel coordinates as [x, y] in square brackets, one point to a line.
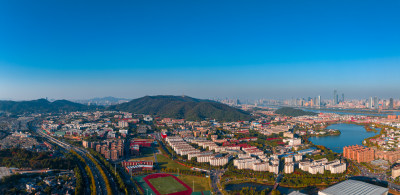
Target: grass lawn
[166, 162]
[144, 158]
[167, 185]
[200, 183]
[147, 154]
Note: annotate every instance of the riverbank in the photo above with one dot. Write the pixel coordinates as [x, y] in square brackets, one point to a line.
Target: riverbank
[328, 132]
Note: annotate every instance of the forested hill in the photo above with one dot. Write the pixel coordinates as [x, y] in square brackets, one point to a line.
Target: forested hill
[182, 107]
[287, 111]
[42, 106]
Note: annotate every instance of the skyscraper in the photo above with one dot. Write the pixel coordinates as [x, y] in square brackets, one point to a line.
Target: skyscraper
[335, 97]
[371, 103]
[376, 103]
[319, 101]
[342, 97]
[391, 104]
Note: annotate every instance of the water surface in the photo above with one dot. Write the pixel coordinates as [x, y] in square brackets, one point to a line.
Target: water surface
[351, 134]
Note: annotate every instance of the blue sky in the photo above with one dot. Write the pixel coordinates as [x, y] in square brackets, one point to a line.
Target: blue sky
[246, 49]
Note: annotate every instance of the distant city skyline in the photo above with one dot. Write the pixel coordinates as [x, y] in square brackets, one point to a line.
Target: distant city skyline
[263, 49]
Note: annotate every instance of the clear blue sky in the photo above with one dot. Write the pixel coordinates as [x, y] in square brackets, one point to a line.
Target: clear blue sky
[246, 49]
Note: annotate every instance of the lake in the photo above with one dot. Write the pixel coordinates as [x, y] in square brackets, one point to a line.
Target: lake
[351, 134]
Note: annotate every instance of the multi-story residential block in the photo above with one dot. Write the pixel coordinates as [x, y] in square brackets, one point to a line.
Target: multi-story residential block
[289, 168]
[304, 165]
[316, 169]
[289, 159]
[219, 161]
[273, 168]
[261, 166]
[298, 157]
[359, 153]
[339, 168]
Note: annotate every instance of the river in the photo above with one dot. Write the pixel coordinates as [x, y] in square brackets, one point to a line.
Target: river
[351, 134]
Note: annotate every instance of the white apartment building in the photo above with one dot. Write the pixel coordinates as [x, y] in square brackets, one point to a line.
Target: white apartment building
[289, 159]
[219, 161]
[289, 168]
[316, 169]
[204, 158]
[304, 166]
[273, 168]
[275, 162]
[339, 168]
[330, 164]
[320, 162]
[261, 166]
[298, 157]
[245, 163]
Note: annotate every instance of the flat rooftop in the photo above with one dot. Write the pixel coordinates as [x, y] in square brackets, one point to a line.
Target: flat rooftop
[354, 187]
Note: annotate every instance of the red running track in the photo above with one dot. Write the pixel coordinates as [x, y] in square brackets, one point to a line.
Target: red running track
[188, 190]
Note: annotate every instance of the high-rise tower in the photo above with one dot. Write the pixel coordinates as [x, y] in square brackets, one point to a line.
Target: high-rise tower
[335, 97]
[391, 104]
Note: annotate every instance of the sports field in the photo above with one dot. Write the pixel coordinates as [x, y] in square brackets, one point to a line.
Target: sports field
[167, 185]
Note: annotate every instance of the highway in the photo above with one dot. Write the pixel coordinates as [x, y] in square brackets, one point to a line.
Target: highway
[100, 183]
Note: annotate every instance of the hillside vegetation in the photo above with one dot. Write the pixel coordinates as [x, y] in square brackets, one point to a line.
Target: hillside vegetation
[182, 107]
[287, 111]
[42, 106]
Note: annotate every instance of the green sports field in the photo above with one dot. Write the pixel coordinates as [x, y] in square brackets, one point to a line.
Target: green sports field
[167, 185]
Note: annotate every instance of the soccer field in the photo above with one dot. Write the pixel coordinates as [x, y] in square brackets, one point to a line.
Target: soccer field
[167, 185]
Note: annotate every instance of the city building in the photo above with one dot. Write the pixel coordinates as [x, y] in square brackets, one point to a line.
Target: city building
[391, 156]
[316, 169]
[135, 166]
[298, 157]
[396, 171]
[335, 97]
[289, 159]
[359, 153]
[338, 168]
[289, 168]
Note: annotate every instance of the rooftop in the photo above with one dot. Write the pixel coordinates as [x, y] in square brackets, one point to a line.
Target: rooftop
[355, 188]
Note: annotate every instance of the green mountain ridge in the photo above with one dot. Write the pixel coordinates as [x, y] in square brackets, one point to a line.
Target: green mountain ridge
[182, 107]
[42, 106]
[288, 111]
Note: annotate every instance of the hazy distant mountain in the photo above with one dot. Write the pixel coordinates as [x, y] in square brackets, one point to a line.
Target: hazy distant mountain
[182, 107]
[287, 111]
[42, 106]
[104, 101]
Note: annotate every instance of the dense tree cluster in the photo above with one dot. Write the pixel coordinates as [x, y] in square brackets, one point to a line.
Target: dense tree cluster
[79, 181]
[22, 158]
[242, 173]
[247, 191]
[89, 172]
[287, 111]
[302, 179]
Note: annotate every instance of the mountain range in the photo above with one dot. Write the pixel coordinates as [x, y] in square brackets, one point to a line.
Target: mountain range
[42, 106]
[180, 107]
